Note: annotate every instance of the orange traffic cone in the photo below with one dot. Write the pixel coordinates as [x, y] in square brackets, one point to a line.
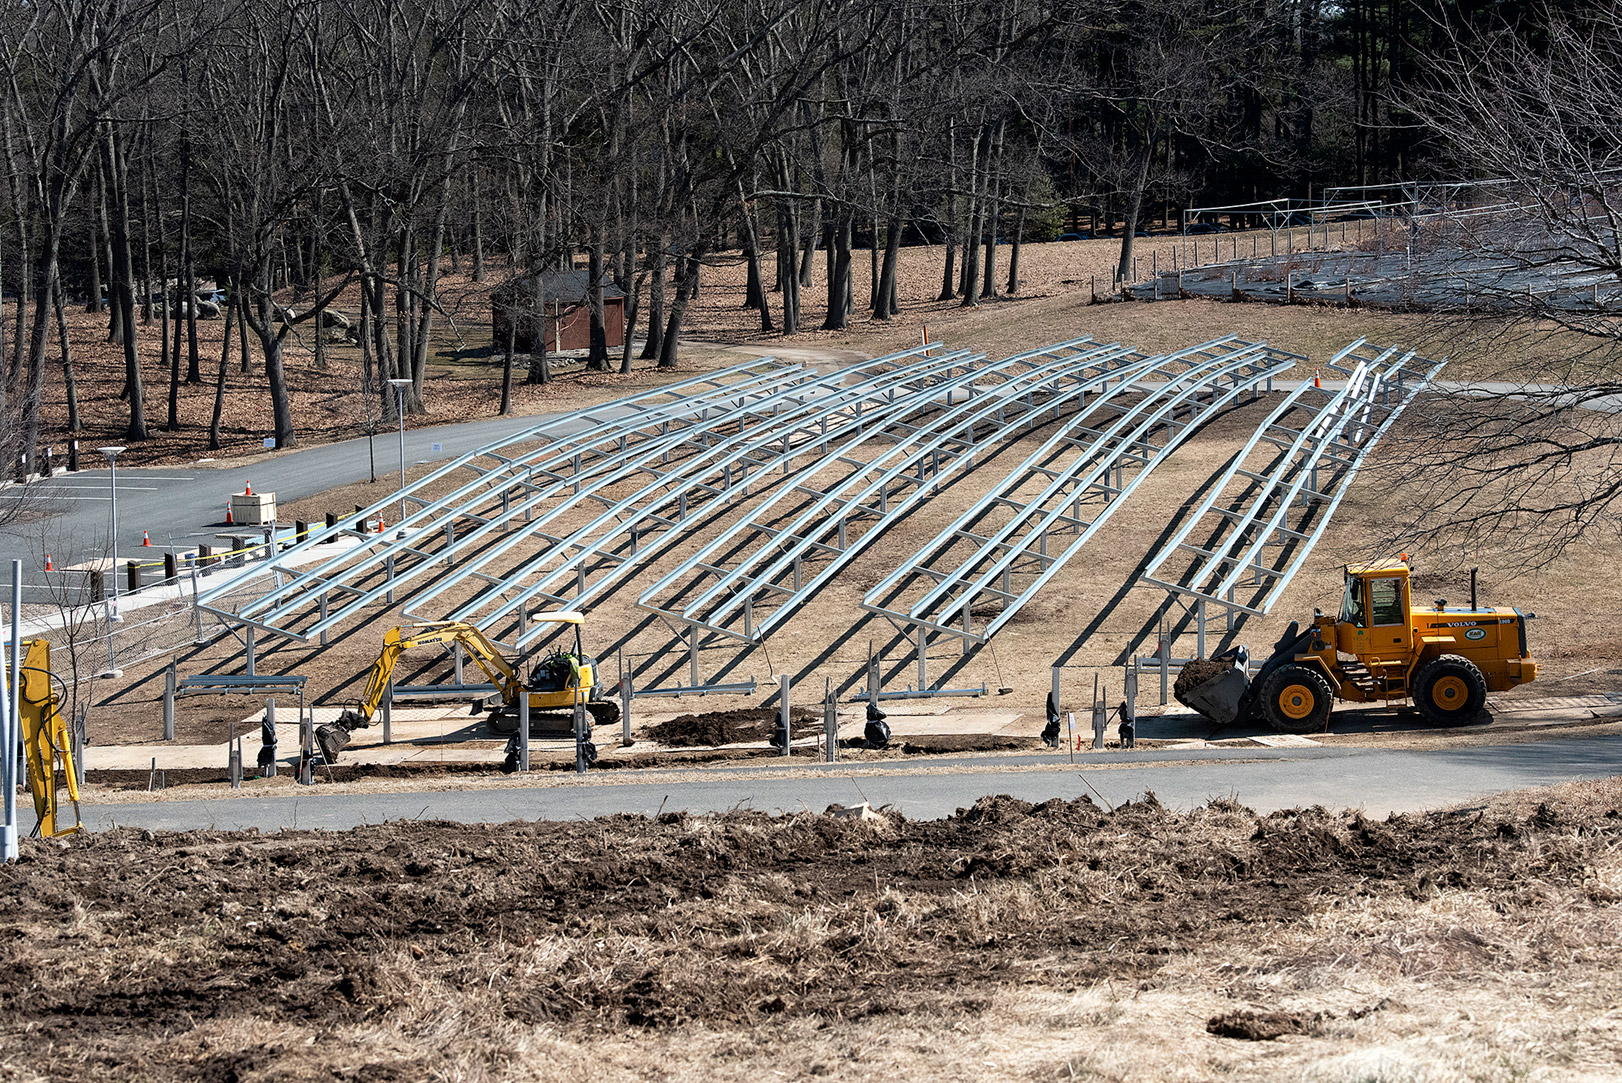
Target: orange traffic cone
[229, 520]
[1316, 381]
[247, 488]
[144, 539]
[48, 565]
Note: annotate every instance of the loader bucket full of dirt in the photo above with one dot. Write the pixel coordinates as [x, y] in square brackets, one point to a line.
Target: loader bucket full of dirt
[1213, 687]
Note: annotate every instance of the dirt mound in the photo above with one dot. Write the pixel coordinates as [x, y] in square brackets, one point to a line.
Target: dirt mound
[717, 921]
[732, 727]
[1262, 1026]
[1195, 673]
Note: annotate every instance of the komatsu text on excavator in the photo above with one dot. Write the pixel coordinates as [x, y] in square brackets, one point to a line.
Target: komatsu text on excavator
[558, 682]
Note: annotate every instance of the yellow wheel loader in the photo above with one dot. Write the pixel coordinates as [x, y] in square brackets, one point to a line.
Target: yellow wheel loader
[1380, 648]
[45, 741]
[558, 682]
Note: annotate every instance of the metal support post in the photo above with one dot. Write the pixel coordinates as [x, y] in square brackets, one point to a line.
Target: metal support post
[322, 602]
[267, 740]
[196, 610]
[388, 713]
[456, 655]
[1165, 660]
[1054, 692]
[10, 730]
[626, 695]
[579, 737]
[784, 723]
[306, 747]
[692, 656]
[1100, 721]
[388, 575]
[169, 702]
[830, 727]
[233, 764]
[1200, 624]
[523, 729]
[248, 649]
[923, 659]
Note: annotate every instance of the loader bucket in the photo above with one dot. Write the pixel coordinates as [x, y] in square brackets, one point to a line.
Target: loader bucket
[1219, 698]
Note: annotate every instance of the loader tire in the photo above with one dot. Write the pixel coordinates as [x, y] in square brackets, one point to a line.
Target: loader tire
[1297, 699]
[1450, 690]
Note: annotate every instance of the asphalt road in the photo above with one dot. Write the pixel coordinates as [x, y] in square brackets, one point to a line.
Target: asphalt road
[1376, 781]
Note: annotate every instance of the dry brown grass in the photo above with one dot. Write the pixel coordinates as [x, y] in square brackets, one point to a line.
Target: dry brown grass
[1053, 943]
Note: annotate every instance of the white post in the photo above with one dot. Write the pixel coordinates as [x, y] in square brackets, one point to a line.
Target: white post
[169, 702]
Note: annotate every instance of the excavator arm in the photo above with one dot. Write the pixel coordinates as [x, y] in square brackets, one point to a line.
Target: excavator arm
[45, 742]
[399, 640]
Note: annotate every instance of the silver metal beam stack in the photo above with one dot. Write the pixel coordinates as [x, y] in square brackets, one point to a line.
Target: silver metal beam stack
[991, 560]
[1246, 540]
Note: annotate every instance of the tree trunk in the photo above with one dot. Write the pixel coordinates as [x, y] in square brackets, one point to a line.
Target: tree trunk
[839, 276]
[116, 166]
[678, 308]
[884, 298]
[507, 362]
[597, 355]
[219, 380]
[69, 384]
[1134, 206]
[654, 347]
[1013, 255]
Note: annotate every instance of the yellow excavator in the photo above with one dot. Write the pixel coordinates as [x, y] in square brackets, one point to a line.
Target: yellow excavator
[558, 682]
[46, 746]
[1382, 647]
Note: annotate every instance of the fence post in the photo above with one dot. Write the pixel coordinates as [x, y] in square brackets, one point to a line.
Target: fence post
[301, 530]
[73, 456]
[98, 586]
[132, 572]
[332, 519]
[171, 568]
[169, 702]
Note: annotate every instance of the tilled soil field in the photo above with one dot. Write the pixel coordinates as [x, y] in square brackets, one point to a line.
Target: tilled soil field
[1062, 941]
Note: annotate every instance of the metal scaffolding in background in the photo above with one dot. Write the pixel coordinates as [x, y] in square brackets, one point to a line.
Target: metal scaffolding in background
[999, 553]
[755, 574]
[1259, 523]
[502, 483]
[577, 569]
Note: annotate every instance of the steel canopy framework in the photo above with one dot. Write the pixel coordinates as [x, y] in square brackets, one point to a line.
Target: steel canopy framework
[707, 438]
[754, 575]
[511, 477]
[578, 568]
[1259, 523]
[971, 567]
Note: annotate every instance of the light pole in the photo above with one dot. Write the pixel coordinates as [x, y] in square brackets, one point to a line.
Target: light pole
[112, 543]
[399, 410]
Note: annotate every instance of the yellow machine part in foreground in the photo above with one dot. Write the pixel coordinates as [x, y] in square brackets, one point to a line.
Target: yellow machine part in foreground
[46, 746]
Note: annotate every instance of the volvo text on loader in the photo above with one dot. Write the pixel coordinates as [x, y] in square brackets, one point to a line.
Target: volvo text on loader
[1381, 648]
[558, 682]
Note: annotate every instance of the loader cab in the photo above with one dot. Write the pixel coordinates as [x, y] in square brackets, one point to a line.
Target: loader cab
[1374, 615]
